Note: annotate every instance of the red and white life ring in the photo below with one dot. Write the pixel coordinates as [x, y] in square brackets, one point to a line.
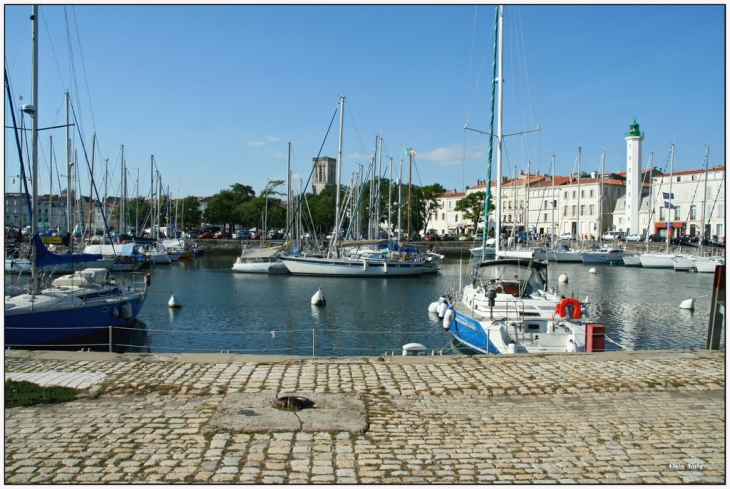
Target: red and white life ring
[561, 308]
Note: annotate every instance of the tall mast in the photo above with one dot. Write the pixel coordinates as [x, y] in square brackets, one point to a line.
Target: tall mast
[121, 200]
[600, 198]
[390, 199]
[651, 192]
[336, 232]
[34, 145]
[669, 210]
[410, 174]
[527, 205]
[577, 225]
[704, 198]
[69, 203]
[288, 194]
[400, 192]
[552, 204]
[91, 182]
[498, 210]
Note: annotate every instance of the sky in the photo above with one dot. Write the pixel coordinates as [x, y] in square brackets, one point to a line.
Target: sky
[215, 93]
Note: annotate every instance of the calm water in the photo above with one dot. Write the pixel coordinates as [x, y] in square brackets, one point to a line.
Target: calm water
[248, 313]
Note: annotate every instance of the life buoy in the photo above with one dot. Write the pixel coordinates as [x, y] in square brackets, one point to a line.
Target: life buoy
[147, 279]
[561, 309]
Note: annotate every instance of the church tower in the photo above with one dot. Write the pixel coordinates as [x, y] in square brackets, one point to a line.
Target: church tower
[633, 177]
[325, 173]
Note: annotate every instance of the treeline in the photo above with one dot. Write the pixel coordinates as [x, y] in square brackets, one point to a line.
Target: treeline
[241, 206]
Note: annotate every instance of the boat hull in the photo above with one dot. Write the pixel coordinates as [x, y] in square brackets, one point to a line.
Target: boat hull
[598, 258]
[351, 268]
[57, 323]
[656, 260]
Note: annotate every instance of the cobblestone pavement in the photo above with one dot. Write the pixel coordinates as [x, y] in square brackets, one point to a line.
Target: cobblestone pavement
[632, 417]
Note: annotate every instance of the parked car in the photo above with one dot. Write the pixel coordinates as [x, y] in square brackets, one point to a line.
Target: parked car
[655, 238]
[634, 237]
[241, 235]
[222, 235]
[206, 235]
[447, 237]
[432, 237]
[684, 240]
[567, 236]
[255, 235]
[464, 237]
[613, 236]
[275, 235]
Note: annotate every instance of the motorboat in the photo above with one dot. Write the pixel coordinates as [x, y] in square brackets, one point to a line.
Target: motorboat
[631, 259]
[259, 260]
[508, 308]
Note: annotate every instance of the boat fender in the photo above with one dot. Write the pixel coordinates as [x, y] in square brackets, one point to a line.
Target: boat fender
[126, 311]
[448, 318]
[442, 309]
[147, 279]
[115, 312]
[511, 347]
[442, 299]
[574, 304]
[433, 307]
[571, 347]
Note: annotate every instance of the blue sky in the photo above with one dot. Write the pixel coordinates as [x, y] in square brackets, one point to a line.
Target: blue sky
[216, 92]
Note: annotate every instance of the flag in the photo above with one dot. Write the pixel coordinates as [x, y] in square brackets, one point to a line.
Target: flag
[667, 195]
[21, 97]
[667, 205]
[410, 152]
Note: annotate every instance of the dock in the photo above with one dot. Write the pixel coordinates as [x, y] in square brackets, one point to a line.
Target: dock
[613, 417]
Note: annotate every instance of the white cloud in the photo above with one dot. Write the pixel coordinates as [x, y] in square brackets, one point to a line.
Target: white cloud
[255, 143]
[451, 155]
[272, 138]
[276, 154]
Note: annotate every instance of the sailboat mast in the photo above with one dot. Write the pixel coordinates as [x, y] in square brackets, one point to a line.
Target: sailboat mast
[400, 192]
[336, 232]
[552, 205]
[288, 194]
[91, 184]
[69, 202]
[527, 205]
[390, 199]
[651, 192]
[34, 145]
[498, 210]
[669, 210]
[577, 225]
[410, 184]
[704, 197]
[600, 199]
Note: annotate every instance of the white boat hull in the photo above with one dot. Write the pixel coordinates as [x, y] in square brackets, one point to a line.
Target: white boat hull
[708, 265]
[657, 260]
[631, 260]
[351, 268]
[568, 257]
[603, 257]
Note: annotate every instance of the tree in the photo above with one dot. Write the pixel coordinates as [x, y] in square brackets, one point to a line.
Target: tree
[190, 213]
[429, 203]
[473, 207]
[221, 208]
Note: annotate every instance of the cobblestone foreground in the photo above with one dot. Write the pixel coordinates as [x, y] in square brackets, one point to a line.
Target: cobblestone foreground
[631, 417]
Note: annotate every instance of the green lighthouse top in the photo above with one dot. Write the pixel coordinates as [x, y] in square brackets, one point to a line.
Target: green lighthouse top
[634, 130]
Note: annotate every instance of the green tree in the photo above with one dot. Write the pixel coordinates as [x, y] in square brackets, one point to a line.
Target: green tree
[473, 207]
[221, 208]
[190, 213]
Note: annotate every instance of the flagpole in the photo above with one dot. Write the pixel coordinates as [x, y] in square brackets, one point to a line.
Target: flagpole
[669, 213]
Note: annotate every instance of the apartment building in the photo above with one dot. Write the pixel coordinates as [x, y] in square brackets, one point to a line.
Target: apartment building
[694, 200]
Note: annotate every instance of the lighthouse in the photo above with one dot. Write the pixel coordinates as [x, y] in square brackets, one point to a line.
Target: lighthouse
[633, 177]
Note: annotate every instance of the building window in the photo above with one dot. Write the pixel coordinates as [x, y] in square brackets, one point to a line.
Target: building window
[574, 210]
[693, 212]
[544, 218]
[575, 193]
[592, 193]
[443, 216]
[565, 211]
[565, 195]
[590, 210]
[620, 220]
[582, 210]
[582, 194]
[662, 214]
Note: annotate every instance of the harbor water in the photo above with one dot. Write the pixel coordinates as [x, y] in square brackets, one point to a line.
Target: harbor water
[271, 314]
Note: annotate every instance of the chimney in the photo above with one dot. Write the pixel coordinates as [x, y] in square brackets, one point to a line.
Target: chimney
[594, 174]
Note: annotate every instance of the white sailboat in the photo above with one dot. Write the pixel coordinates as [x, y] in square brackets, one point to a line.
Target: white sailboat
[338, 262]
[666, 259]
[508, 307]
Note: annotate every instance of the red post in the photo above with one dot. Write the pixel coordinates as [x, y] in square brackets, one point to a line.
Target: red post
[595, 337]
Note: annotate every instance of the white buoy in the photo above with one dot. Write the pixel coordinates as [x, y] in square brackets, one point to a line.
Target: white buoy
[563, 278]
[688, 304]
[433, 307]
[442, 309]
[413, 349]
[318, 298]
[174, 302]
[593, 271]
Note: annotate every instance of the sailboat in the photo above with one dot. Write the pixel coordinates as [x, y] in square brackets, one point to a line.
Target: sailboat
[508, 308]
[86, 302]
[666, 259]
[338, 262]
